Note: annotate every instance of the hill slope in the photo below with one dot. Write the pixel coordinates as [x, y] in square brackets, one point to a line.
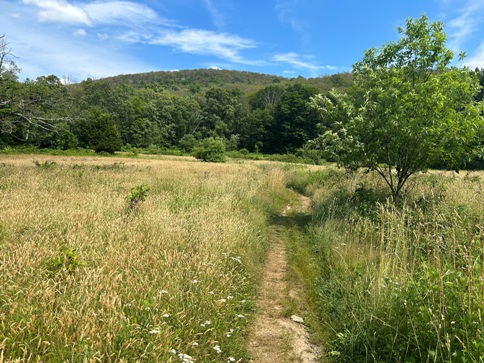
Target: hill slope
[200, 79]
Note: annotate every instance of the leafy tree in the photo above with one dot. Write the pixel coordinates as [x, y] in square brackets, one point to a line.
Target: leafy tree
[31, 110]
[8, 68]
[99, 131]
[254, 131]
[407, 110]
[187, 116]
[480, 76]
[265, 97]
[294, 121]
[221, 112]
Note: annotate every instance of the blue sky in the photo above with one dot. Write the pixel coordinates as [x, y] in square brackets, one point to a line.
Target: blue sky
[99, 38]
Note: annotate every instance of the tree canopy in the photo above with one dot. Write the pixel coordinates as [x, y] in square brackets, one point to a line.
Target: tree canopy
[408, 109]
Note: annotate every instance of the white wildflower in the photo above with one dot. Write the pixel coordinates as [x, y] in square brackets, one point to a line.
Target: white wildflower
[240, 316]
[207, 322]
[155, 331]
[236, 259]
[185, 358]
[166, 315]
[217, 349]
[231, 359]
[164, 292]
[195, 344]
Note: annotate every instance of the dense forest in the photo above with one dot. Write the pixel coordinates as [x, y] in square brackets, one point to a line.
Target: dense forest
[164, 110]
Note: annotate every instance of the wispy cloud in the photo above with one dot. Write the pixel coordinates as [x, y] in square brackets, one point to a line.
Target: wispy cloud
[462, 28]
[217, 17]
[49, 42]
[204, 42]
[470, 16]
[120, 12]
[60, 11]
[95, 38]
[301, 62]
[123, 13]
[286, 12]
[130, 22]
[477, 59]
[81, 33]
[64, 55]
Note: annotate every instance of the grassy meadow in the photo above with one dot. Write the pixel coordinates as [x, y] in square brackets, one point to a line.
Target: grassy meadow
[125, 260]
[110, 259]
[396, 283]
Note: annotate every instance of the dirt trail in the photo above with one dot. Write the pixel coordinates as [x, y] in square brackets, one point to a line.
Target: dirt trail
[275, 337]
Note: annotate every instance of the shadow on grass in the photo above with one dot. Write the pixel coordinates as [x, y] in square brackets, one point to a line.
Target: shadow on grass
[293, 219]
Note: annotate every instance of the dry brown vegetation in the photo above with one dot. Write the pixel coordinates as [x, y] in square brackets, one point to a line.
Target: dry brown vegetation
[85, 276]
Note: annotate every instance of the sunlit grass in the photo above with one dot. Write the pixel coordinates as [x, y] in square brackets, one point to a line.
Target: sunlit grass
[84, 276]
[400, 284]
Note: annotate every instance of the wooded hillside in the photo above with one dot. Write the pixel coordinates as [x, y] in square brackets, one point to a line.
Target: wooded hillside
[164, 110]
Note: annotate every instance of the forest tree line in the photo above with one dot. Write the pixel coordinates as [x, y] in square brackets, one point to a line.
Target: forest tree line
[45, 113]
[164, 110]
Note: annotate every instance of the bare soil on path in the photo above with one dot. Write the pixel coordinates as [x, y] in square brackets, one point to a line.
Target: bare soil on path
[275, 337]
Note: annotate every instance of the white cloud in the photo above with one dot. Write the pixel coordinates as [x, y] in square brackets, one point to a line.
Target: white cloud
[60, 55]
[60, 11]
[204, 42]
[103, 36]
[115, 12]
[300, 62]
[477, 59]
[44, 50]
[286, 12]
[217, 17]
[464, 25]
[81, 33]
[96, 13]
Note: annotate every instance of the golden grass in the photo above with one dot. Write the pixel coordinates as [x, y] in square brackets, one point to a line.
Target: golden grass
[83, 278]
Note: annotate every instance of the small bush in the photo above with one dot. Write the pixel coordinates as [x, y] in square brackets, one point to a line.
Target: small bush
[137, 195]
[211, 150]
[45, 165]
[67, 261]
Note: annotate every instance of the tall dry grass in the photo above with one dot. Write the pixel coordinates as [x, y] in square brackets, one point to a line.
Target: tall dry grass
[84, 277]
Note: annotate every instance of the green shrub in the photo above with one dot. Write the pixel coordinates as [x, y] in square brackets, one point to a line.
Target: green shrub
[211, 150]
[66, 262]
[187, 143]
[137, 195]
[45, 165]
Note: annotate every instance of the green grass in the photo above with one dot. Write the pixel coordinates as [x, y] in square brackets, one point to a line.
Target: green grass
[397, 284]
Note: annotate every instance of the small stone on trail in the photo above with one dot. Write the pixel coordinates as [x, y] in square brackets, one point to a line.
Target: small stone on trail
[297, 319]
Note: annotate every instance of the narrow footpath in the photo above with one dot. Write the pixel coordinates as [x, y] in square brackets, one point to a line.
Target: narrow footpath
[276, 337]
